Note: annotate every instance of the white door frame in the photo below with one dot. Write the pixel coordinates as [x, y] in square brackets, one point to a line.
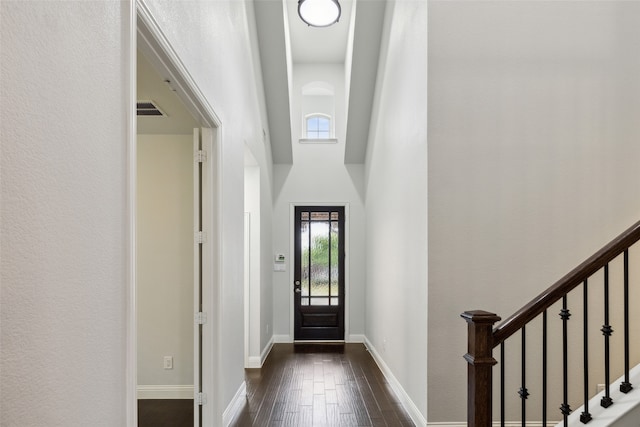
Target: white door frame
[254, 354]
[247, 283]
[347, 285]
[146, 35]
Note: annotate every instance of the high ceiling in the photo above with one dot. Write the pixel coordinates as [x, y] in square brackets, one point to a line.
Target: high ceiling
[279, 26]
[310, 45]
[284, 40]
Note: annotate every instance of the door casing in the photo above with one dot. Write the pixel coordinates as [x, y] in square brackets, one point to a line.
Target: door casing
[146, 35]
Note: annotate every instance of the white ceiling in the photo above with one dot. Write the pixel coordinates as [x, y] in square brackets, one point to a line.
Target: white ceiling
[308, 45]
[151, 86]
[311, 45]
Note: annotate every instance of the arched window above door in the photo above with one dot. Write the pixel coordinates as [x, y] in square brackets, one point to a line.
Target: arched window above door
[317, 126]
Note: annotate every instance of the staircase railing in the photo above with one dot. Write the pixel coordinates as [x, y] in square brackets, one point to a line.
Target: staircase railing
[483, 339]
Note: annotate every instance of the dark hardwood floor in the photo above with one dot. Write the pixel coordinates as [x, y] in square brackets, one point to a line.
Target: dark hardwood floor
[326, 385]
[165, 413]
[302, 385]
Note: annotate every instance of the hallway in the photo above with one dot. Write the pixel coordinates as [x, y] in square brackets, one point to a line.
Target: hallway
[480, 149]
[320, 385]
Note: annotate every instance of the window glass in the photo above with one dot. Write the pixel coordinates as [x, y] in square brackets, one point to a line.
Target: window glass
[318, 127]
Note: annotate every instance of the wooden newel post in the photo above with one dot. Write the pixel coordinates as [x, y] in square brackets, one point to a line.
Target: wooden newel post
[480, 358]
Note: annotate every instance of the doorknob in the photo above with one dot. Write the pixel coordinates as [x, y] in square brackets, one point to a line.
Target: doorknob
[297, 290]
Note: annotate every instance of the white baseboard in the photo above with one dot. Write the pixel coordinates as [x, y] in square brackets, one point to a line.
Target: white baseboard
[256, 362]
[495, 424]
[408, 404]
[265, 352]
[253, 362]
[165, 392]
[355, 338]
[236, 405]
[282, 339]
[279, 339]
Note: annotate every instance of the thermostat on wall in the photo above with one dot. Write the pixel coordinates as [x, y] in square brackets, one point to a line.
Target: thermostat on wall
[279, 258]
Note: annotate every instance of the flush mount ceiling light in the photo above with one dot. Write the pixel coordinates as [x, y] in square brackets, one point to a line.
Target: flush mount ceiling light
[319, 13]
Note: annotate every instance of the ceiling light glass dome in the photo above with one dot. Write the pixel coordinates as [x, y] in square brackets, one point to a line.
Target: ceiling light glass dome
[319, 13]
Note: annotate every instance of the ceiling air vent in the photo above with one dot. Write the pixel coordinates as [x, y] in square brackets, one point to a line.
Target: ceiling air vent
[149, 109]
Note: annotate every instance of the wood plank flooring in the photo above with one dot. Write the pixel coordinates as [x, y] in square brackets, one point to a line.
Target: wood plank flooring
[319, 385]
[302, 385]
[165, 413]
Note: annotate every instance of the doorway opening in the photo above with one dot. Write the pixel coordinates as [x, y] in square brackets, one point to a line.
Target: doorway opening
[252, 262]
[174, 186]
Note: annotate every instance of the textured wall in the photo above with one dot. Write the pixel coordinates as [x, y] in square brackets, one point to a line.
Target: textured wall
[214, 40]
[533, 148]
[396, 202]
[319, 174]
[63, 247]
[63, 168]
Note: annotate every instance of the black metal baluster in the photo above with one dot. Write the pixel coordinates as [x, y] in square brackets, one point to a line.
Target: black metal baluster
[502, 405]
[544, 368]
[626, 386]
[523, 392]
[606, 400]
[585, 417]
[565, 408]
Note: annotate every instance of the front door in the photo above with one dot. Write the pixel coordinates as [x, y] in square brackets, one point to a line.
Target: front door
[319, 273]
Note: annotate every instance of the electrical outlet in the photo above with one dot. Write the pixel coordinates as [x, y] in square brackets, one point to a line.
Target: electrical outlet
[168, 362]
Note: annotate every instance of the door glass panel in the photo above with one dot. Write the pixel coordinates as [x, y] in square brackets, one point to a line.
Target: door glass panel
[334, 270]
[319, 267]
[334, 301]
[304, 261]
[319, 216]
[319, 301]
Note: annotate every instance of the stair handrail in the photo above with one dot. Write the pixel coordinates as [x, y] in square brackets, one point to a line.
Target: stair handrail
[483, 338]
[566, 284]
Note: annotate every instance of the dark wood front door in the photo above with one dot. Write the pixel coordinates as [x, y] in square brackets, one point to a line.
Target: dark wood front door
[319, 273]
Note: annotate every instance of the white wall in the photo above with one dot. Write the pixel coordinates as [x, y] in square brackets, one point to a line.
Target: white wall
[165, 258]
[396, 202]
[65, 97]
[254, 294]
[321, 178]
[327, 81]
[318, 175]
[216, 49]
[266, 259]
[63, 216]
[533, 150]
[260, 148]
